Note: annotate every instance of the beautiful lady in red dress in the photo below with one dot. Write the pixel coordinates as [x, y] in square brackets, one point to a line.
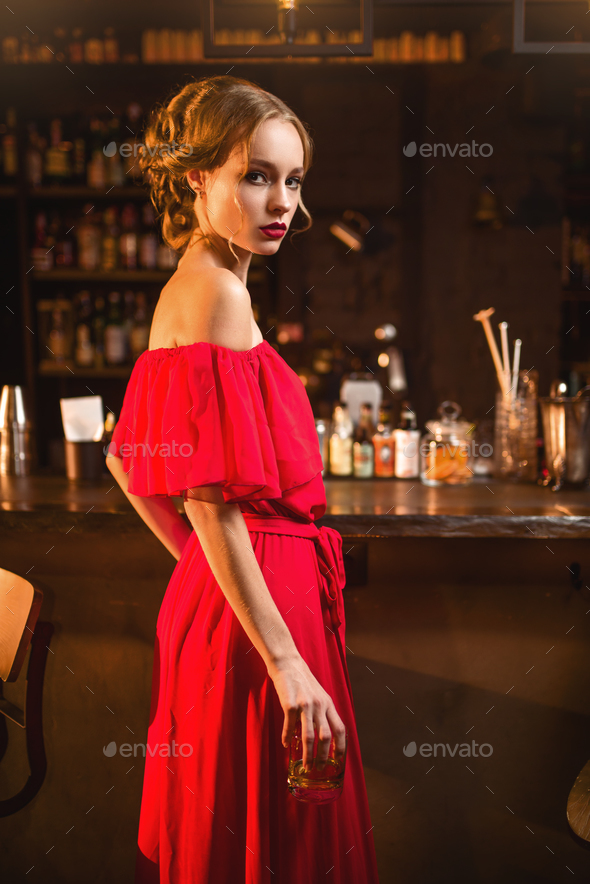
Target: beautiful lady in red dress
[251, 631]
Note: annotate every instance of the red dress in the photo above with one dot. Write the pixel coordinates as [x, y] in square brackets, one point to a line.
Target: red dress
[215, 806]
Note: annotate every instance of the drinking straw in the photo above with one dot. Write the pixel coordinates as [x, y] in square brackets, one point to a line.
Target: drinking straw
[484, 317]
[515, 367]
[503, 326]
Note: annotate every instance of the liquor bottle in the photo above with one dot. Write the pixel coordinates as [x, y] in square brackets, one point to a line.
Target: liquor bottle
[94, 50]
[577, 142]
[128, 314]
[41, 254]
[98, 327]
[76, 46]
[34, 157]
[140, 332]
[148, 243]
[111, 46]
[115, 171]
[131, 127]
[84, 352]
[128, 243]
[407, 445]
[577, 256]
[97, 165]
[58, 342]
[9, 148]
[59, 44]
[362, 450]
[115, 339]
[79, 152]
[89, 243]
[26, 53]
[383, 442]
[58, 241]
[341, 442]
[57, 155]
[110, 239]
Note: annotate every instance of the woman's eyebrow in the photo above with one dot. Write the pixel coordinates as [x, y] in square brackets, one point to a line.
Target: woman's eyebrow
[299, 169]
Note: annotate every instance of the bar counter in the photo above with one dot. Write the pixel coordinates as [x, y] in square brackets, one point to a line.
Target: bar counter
[467, 612]
[356, 508]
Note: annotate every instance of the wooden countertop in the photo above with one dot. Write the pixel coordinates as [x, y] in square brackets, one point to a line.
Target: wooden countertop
[356, 508]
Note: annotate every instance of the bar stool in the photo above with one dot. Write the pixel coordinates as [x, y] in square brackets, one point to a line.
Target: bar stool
[20, 605]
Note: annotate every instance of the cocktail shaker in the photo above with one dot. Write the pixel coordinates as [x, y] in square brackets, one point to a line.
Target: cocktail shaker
[566, 431]
[16, 433]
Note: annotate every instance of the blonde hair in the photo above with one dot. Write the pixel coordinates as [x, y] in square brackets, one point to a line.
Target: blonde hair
[212, 116]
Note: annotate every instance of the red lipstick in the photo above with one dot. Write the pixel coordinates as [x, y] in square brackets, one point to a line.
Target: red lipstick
[275, 230]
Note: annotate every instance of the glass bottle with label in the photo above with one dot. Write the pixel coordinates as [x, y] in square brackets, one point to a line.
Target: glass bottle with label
[34, 157]
[89, 240]
[110, 239]
[407, 445]
[9, 146]
[97, 169]
[362, 449]
[148, 244]
[383, 442]
[84, 347]
[115, 336]
[128, 243]
[140, 332]
[98, 326]
[341, 442]
[57, 155]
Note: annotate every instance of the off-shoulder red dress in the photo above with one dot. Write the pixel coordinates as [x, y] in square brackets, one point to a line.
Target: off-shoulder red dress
[216, 809]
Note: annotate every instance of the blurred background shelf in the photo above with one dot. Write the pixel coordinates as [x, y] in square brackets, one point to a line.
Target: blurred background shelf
[75, 274]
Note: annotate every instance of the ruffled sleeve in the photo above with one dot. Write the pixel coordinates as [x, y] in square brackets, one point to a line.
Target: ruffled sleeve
[203, 414]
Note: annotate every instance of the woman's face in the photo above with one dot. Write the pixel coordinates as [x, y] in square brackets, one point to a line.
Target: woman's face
[268, 193]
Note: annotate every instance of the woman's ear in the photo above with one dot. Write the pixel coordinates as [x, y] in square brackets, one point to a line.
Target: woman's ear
[194, 179]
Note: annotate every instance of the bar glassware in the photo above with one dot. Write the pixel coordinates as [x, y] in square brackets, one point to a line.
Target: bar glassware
[515, 430]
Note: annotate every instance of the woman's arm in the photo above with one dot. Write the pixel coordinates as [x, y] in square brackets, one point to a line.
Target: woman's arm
[225, 540]
[159, 513]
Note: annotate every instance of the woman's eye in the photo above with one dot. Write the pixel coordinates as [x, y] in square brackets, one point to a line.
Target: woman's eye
[297, 181]
[255, 173]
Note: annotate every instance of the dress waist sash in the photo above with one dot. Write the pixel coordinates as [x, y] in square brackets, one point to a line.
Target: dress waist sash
[329, 552]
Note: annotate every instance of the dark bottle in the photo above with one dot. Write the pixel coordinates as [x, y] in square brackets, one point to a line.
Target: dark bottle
[34, 157]
[363, 452]
[84, 354]
[98, 326]
[115, 335]
[383, 442]
[9, 147]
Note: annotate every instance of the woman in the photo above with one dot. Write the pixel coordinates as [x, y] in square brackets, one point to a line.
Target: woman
[250, 634]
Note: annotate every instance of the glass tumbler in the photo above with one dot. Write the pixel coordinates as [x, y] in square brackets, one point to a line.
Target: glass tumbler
[316, 786]
[515, 431]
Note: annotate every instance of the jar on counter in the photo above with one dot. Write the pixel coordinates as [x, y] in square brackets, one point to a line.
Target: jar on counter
[446, 449]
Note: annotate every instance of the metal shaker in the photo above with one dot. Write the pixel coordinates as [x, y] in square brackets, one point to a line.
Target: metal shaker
[566, 431]
[16, 448]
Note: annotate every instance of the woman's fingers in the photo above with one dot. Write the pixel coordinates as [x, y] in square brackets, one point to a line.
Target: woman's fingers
[289, 725]
[324, 740]
[307, 738]
[338, 732]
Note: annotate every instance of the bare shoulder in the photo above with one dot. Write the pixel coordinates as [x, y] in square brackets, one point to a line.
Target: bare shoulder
[212, 306]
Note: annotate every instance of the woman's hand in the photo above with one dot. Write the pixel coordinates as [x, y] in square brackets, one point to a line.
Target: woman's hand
[301, 695]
